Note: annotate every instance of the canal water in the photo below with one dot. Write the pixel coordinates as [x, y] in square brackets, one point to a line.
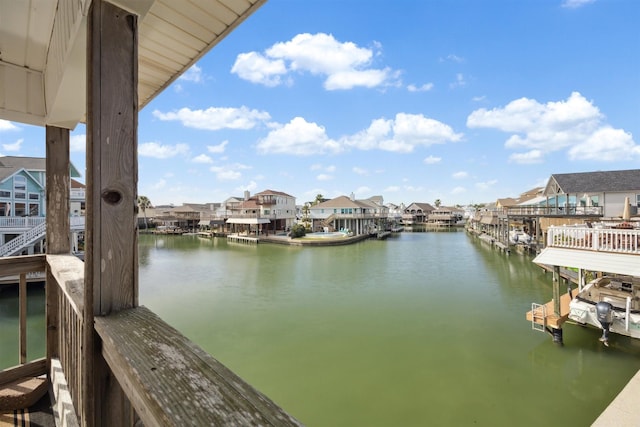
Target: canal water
[424, 328]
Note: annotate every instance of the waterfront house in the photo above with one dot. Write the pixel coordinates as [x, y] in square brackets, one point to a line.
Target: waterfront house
[444, 216]
[109, 361]
[268, 211]
[346, 213]
[416, 213]
[23, 203]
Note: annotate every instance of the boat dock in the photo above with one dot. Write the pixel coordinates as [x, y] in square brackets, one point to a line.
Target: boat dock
[237, 238]
[543, 315]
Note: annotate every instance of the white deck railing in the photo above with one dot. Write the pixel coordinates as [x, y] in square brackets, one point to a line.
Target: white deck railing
[595, 239]
[21, 222]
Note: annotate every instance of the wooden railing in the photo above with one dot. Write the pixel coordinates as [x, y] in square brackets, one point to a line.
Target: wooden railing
[592, 211]
[21, 222]
[595, 239]
[167, 379]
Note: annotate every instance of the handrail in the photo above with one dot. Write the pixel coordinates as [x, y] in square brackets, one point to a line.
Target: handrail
[31, 236]
[21, 222]
[21, 266]
[168, 379]
[36, 233]
[595, 239]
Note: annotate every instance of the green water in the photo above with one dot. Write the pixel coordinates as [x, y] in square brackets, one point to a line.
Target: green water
[420, 329]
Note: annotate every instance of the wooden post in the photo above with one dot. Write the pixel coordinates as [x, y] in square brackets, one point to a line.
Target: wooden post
[111, 264]
[556, 290]
[57, 238]
[22, 297]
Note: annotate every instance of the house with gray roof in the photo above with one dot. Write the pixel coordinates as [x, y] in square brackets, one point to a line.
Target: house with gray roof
[606, 190]
[416, 213]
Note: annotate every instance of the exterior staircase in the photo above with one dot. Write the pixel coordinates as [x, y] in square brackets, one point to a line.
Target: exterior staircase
[25, 239]
[34, 235]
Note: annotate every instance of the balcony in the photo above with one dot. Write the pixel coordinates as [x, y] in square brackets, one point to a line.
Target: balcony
[599, 239]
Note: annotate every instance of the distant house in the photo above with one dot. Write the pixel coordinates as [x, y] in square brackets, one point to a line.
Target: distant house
[22, 199]
[266, 210]
[416, 213]
[444, 216]
[605, 189]
[347, 213]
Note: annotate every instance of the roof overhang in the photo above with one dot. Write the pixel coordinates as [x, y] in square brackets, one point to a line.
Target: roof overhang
[250, 221]
[591, 260]
[43, 47]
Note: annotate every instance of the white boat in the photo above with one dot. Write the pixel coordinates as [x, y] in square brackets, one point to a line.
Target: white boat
[518, 236]
[611, 303]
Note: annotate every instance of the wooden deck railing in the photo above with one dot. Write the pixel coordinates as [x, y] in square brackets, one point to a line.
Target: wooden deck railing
[595, 239]
[167, 379]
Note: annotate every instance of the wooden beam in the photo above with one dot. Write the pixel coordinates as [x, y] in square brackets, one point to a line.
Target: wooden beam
[111, 262]
[31, 369]
[10, 266]
[171, 381]
[58, 189]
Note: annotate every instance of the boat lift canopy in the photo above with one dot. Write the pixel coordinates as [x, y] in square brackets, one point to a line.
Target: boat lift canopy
[617, 263]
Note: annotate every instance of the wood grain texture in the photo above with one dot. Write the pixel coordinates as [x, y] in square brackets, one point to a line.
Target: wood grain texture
[31, 369]
[58, 189]
[12, 265]
[171, 381]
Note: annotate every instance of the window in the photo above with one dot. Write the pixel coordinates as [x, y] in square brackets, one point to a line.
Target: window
[19, 183]
[6, 194]
[638, 200]
[20, 195]
[34, 196]
[34, 209]
[20, 210]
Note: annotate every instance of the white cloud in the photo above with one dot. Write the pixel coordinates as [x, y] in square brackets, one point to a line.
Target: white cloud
[6, 125]
[214, 118]
[193, 74]
[458, 190]
[574, 4]
[487, 184]
[360, 171]
[391, 189]
[430, 160]
[229, 172]
[259, 69]
[217, 149]
[574, 124]
[479, 98]
[298, 137]
[78, 143]
[403, 134]
[460, 81]
[606, 144]
[424, 88]
[251, 186]
[452, 58]
[202, 158]
[14, 146]
[159, 185]
[159, 151]
[324, 177]
[460, 175]
[533, 156]
[344, 65]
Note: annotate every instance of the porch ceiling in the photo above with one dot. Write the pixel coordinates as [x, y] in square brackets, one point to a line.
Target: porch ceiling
[43, 51]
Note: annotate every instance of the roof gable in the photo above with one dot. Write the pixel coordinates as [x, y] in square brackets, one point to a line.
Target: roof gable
[592, 182]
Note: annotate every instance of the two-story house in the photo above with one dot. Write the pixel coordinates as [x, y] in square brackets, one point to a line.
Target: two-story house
[347, 213]
[23, 204]
[268, 210]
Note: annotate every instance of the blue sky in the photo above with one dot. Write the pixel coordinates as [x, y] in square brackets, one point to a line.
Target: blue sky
[465, 101]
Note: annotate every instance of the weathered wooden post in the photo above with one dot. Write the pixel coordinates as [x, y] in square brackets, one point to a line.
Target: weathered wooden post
[111, 263]
[57, 237]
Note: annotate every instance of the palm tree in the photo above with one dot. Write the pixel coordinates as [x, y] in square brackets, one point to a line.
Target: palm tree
[143, 204]
[319, 199]
[437, 203]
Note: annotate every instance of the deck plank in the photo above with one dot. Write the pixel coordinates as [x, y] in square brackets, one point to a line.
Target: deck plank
[171, 381]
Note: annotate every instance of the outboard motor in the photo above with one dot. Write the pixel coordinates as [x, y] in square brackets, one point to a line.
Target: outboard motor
[604, 313]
